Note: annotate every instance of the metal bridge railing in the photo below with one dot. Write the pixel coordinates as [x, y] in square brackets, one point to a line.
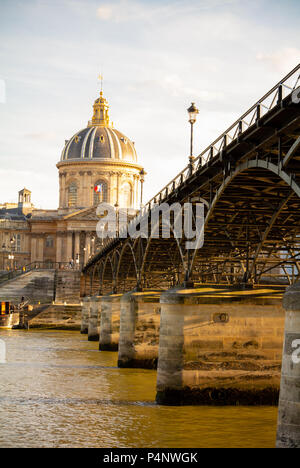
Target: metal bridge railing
[35, 266]
[281, 90]
[271, 99]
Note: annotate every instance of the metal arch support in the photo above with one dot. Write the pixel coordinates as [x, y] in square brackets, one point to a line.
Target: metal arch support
[100, 272]
[291, 152]
[149, 243]
[249, 164]
[267, 231]
[126, 245]
[104, 268]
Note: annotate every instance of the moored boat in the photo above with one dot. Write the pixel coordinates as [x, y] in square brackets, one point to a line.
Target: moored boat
[9, 317]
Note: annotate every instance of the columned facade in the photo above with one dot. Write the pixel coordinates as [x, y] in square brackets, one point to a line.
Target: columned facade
[98, 164]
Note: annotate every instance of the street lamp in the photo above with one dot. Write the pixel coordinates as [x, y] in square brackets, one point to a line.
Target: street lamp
[77, 260]
[12, 247]
[93, 244]
[143, 173]
[11, 258]
[192, 111]
[117, 217]
[3, 257]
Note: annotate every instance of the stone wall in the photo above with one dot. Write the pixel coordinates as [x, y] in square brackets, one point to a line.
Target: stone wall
[223, 353]
[57, 317]
[110, 322]
[139, 330]
[67, 286]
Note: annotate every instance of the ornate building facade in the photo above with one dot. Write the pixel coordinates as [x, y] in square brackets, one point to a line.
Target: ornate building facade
[99, 163]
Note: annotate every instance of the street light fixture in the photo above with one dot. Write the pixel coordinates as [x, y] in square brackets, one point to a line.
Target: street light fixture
[117, 217]
[11, 258]
[3, 255]
[93, 245]
[192, 111]
[143, 173]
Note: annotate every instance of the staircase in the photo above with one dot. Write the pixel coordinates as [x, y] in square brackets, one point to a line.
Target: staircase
[35, 286]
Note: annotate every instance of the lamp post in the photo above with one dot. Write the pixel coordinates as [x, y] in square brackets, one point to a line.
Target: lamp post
[11, 258]
[12, 247]
[192, 111]
[93, 244]
[3, 256]
[117, 218]
[143, 173]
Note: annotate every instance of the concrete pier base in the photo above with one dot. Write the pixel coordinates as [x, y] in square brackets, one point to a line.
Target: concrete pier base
[288, 431]
[85, 315]
[139, 330]
[110, 322]
[219, 346]
[94, 318]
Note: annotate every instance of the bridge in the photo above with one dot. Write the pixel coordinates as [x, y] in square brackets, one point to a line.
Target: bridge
[248, 180]
[210, 318]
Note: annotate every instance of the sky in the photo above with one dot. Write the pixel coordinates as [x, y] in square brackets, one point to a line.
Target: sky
[157, 56]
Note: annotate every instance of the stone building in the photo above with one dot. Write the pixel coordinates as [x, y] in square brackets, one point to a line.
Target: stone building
[99, 163]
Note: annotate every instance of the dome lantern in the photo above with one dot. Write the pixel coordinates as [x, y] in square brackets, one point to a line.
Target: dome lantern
[100, 115]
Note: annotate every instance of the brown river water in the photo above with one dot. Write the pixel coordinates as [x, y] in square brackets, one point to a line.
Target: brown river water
[58, 390]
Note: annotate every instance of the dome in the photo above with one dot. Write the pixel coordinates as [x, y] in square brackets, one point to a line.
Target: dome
[99, 140]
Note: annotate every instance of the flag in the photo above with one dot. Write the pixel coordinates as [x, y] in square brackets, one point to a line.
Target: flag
[98, 188]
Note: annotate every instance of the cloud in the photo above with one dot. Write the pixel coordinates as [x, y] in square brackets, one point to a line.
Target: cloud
[282, 60]
[105, 12]
[123, 11]
[130, 10]
[46, 136]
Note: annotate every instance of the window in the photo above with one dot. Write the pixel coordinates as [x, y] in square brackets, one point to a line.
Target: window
[72, 195]
[49, 241]
[18, 242]
[100, 192]
[126, 195]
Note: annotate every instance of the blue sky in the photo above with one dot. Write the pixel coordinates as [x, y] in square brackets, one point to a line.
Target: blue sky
[156, 57]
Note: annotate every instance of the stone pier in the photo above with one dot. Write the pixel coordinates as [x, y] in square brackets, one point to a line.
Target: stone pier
[85, 315]
[288, 432]
[110, 322]
[94, 318]
[220, 346]
[139, 330]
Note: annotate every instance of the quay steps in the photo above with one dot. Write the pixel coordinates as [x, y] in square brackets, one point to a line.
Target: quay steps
[35, 286]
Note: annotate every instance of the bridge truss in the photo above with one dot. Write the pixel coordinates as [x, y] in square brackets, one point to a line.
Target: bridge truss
[249, 182]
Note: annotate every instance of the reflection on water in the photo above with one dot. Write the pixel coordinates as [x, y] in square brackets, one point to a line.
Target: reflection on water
[57, 390]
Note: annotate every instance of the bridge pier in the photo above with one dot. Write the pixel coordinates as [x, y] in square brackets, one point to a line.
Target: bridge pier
[219, 347]
[110, 322]
[288, 432]
[139, 330]
[94, 318]
[85, 315]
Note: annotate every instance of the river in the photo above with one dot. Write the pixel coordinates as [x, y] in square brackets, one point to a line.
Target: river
[58, 390]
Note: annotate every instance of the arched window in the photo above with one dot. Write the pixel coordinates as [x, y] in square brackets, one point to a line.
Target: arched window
[72, 194]
[126, 195]
[100, 192]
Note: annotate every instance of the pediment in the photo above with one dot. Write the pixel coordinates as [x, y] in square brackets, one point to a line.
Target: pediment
[87, 214]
